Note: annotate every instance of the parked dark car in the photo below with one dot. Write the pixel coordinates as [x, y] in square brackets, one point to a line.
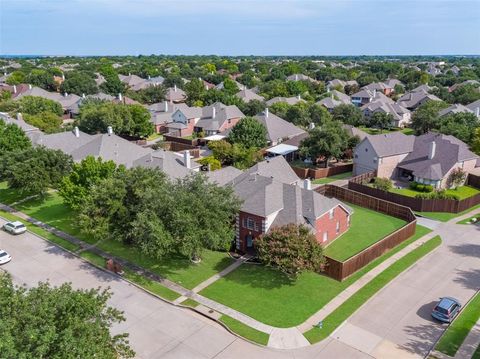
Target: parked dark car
[446, 309]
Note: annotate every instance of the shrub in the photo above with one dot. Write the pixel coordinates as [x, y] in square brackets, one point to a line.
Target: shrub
[441, 194]
[428, 188]
[383, 184]
[212, 161]
[413, 185]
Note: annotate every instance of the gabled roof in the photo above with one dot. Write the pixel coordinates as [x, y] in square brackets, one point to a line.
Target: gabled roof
[474, 106]
[277, 168]
[289, 100]
[131, 80]
[175, 94]
[396, 110]
[391, 144]
[335, 99]
[448, 152]
[372, 95]
[300, 77]
[223, 175]
[453, 109]
[277, 128]
[64, 141]
[214, 116]
[412, 99]
[170, 163]
[391, 83]
[379, 86]
[248, 95]
[20, 123]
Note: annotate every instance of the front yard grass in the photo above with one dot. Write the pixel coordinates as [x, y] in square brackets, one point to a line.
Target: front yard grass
[469, 219]
[333, 178]
[462, 192]
[456, 333]
[245, 331]
[150, 285]
[339, 315]
[366, 227]
[269, 296]
[446, 216]
[53, 211]
[9, 196]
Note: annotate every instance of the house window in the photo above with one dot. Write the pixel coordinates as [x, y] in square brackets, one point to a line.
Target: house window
[250, 223]
[366, 149]
[331, 213]
[356, 156]
[229, 121]
[325, 236]
[256, 227]
[348, 220]
[338, 227]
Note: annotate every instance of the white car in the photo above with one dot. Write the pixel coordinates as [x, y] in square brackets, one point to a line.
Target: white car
[15, 227]
[4, 257]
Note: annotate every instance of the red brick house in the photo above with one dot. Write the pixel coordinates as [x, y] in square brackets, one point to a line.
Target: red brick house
[270, 202]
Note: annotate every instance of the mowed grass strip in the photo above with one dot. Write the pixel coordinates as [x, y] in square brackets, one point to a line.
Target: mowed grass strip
[456, 333]
[332, 178]
[339, 315]
[445, 216]
[469, 220]
[53, 211]
[151, 285]
[245, 331]
[462, 192]
[41, 232]
[366, 228]
[270, 297]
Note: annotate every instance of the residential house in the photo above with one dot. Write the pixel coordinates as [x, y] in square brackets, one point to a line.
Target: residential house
[28, 129]
[391, 83]
[162, 114]
[401, 115]
[277, 128]
[175, 165]
[335, 99]
[336, 83]
[455, 69]
[427, 159]
[475, 107]
[131, 80]
[247, 95]
[175, 95]
[221, 85]
[276, 168]
[224, 175]
[453, 109]
[218, 118]
[269, 203]
[183, 121]
[288, 100]
[365, 96]
[301, 77]
[379, 86]
[466, 82]
[413, 99]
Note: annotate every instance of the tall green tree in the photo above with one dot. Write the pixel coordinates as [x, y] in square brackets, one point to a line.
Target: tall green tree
[248, 132]
[79, 83]
[34, 105]
[195, 91]
[425, 118]
[381, 120]
[12, 138]
[327, 141]
[59, 322]
[348, 114]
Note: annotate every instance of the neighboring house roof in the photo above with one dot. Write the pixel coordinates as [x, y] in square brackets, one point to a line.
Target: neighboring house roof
[289, 100]
[453, 109]
[300, 77]
[277, 168]
[474, 107]
[277, 128]
[353, 131]
[221, 85]
[223, 175]
[214, 116]
[391, 83]
[19, 122]
[335, 99]
[162, 112]
[342, 83]
[424, 88]
[39, 92]
[391, 144]
[248, 95]
[412, 99]
[372, 95]
[131, 80]
[101, 96]
[448, 151]
[397, 111]
[64, 141]
[379, 86]
[175, 94]
[170, 163]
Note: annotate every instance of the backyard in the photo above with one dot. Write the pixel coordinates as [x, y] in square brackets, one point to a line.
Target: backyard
[332, 178]
[366, 227]
[462, 192]
[272, 298]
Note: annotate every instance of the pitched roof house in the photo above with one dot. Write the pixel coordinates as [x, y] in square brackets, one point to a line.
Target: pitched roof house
[335, 99]
[453, 109]
[248, 95]
[289, 100]
[413, 99]
[401, 116]
[300, 77]
[277, 128]
[218, 118]
[365, 96]
[341, 83]
[427, 159]
[379, 86]
[475, 107]
[269, 203]
[176, 95]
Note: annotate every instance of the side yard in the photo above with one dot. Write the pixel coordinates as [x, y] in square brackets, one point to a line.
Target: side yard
[270, 297]
[333, 178]
[462, 192]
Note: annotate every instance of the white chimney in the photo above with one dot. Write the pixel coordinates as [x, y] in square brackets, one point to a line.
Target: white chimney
[296, 77]
[14, 88]
[29, 86]
[109, 130]
[186, 159]
[19, 116]
[299, 97]
[328, 88]
[374, 93]
[307, 184]
[166, 106]
[83, 95]
[120, 97]
[175, 88]
[63, 77]
[76, 131]
[332, 96]
[214, 112]
[311, 126]
[477, 111]
[65, 94]
[149, 77]
[266, 112]
[431, 150]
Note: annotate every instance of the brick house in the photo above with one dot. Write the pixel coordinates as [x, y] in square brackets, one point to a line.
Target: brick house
[269, 203]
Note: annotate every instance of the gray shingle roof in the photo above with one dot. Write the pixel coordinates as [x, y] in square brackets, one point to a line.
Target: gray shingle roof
[170, 163]
[64, 141]
[277, 168]
[289, 100]
[277, 128]
[412, 99]
[248, 95]
[20, 123]
[391, 144]
[453, 109]
[223, 175]
[175, 94]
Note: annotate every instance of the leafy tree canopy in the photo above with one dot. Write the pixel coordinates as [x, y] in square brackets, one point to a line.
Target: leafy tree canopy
[249, 132]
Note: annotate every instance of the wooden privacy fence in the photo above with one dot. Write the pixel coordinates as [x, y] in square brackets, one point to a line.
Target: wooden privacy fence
[341, 270]
[418, 204]
[186, 141]
[316, 173]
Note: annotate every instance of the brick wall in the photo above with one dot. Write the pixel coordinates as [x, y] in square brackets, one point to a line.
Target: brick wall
[328, 225]
[243, 231]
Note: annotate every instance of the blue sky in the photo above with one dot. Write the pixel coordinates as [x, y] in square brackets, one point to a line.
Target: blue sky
[239, 27]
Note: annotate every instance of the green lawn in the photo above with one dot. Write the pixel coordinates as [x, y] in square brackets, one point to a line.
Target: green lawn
[476, 355]
[9, 196]
[93, 258]
[244, 330]
[456, 333]
[270, 297]
[154, 136]
[366, 227]
[446, 216]
[41, 232]
[150, 285]
[468, 220]
[339, 315]
[333, 178]
[52, 211]
[462, 191]
[375, 131]
[190, 303]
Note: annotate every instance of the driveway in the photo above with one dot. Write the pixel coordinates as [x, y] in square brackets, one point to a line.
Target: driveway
[396, 323]
[157, 329]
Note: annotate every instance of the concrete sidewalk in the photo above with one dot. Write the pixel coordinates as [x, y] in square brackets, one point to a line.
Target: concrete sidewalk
[470, 344]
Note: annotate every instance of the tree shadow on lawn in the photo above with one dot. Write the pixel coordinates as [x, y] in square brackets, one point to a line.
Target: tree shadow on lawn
[260, 276]
[9, 196]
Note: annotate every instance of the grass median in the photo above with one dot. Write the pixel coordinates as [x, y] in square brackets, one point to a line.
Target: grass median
[245, 331]
[456, 333]
[339, 315]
